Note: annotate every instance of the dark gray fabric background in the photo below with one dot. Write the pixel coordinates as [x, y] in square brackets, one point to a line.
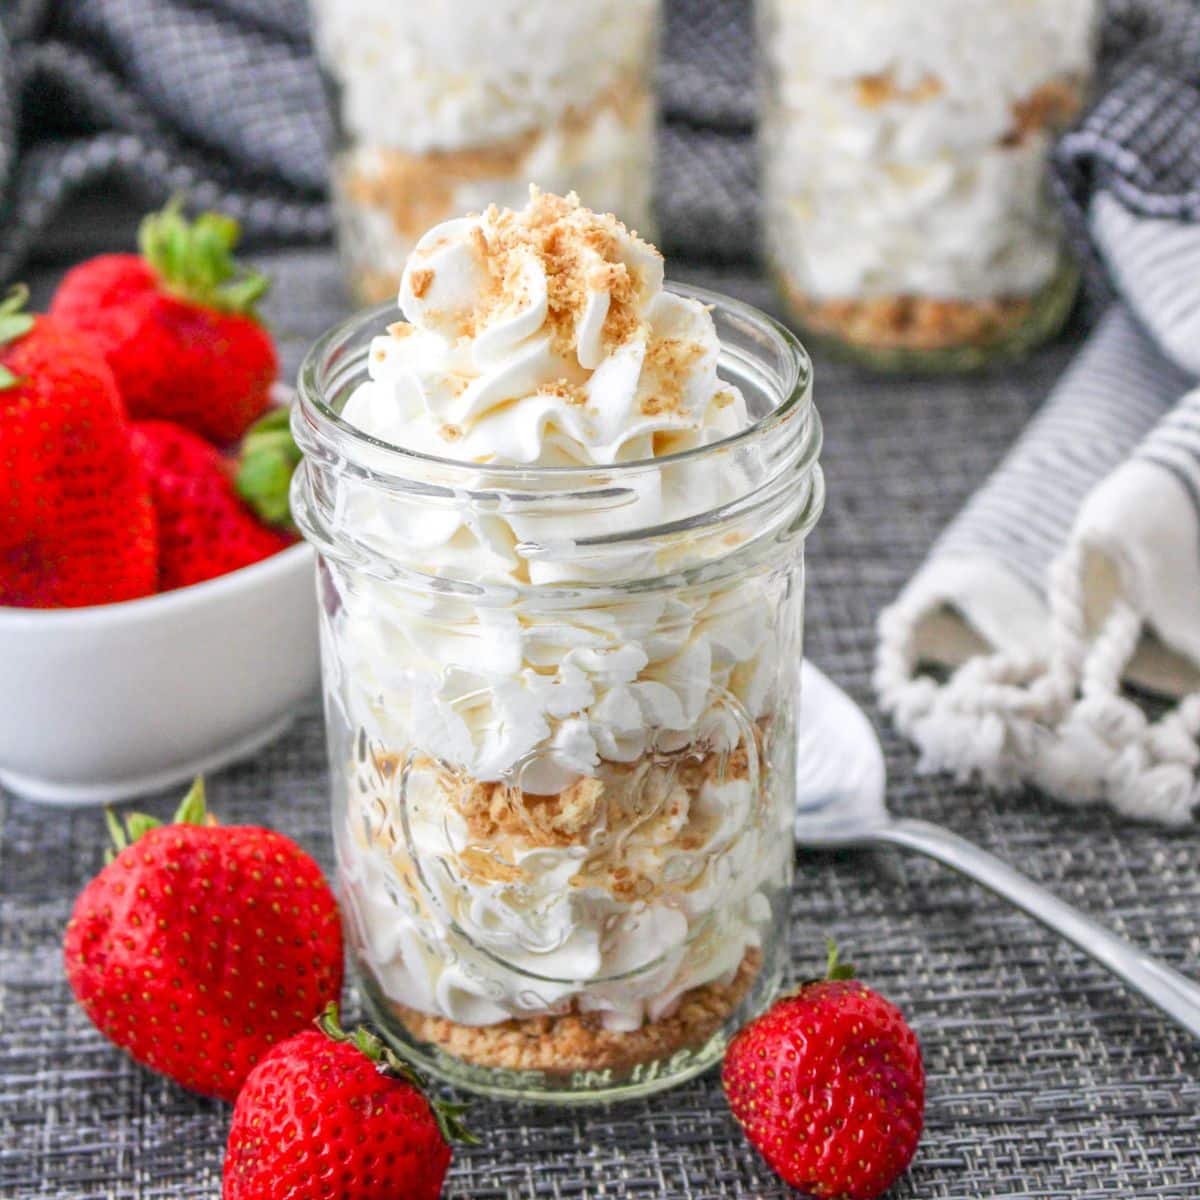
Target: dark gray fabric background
[1046, 1079]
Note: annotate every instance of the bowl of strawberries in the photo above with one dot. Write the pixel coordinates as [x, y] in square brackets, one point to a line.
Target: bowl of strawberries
[157, 612]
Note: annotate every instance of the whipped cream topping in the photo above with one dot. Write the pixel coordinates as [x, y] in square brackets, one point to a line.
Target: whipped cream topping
[899, 160]
[450, 74]
[544, 338]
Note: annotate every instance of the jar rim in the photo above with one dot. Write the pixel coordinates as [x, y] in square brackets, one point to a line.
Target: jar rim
[332, 426]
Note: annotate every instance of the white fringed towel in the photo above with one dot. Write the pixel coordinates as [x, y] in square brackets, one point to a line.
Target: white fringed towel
[1075, 570]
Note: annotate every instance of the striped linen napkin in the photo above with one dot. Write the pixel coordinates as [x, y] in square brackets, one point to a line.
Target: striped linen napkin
[1074, 572]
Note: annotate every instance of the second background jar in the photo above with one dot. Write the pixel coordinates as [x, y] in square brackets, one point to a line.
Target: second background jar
[905, 150]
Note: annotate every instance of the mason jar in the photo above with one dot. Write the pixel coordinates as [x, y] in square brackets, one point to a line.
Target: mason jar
[904, 148]
[449, 106]
[562, 760]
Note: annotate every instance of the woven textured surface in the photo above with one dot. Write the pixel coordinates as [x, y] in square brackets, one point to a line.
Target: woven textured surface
[1046, 1079]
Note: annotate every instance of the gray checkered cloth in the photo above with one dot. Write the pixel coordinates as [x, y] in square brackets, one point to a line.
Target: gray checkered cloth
[222, 101]
[1047, 1080]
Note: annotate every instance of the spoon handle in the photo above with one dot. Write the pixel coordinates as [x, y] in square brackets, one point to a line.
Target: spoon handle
[1175, 994]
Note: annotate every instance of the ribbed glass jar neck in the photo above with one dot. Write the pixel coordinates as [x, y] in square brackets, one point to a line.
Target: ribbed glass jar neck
[452, 525]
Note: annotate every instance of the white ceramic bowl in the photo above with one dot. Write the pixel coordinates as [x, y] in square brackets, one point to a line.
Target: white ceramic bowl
[99, 704]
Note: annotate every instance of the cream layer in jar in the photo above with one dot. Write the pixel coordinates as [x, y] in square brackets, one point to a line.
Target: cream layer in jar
[905, 154]
[446, 107]
[558, 811]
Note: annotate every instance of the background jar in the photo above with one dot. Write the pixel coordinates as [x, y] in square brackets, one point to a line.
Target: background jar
[445, 107]
[563, 760]
[904, 147]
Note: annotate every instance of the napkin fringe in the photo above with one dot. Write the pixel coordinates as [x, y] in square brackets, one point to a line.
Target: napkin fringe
[1058, 721]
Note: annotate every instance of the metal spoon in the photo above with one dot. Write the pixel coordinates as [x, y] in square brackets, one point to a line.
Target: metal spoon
[841, 778]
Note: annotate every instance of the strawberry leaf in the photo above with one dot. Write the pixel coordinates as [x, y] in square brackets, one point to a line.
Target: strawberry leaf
[119, 838]
[192, 808]
[194, 260]
[447, 1114]
[268, 459]
[14, 324]
[140, 824]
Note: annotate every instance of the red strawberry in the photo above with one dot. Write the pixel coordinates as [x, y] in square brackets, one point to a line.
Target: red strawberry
[342, 1112]
[200, 946]
[204, 528]
[76, 522]
[178, 324]
[829, 1087]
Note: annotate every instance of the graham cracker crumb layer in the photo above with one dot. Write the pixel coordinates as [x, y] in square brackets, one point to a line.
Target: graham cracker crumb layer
[656, 795]
[565, 818]
[579, 1042]
[912, 322]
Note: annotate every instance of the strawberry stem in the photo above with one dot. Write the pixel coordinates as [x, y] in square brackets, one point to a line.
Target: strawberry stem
[268, 458]
[194, 260]
[192, 810]
[448, 1115]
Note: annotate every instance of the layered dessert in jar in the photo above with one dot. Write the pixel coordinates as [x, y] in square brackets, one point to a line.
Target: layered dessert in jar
[561, 508]
[446, 107]
[905, 148]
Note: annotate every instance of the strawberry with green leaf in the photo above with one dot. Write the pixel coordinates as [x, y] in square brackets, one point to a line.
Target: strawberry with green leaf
[342, 1112]
[829, 1087]
[205, 528]
[199, 946]
[178, 324]
[77, 526]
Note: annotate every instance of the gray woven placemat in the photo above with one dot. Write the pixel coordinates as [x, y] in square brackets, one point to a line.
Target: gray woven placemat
[1046, 1079]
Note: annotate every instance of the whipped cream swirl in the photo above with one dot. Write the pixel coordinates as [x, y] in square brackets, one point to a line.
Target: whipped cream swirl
[544, 337]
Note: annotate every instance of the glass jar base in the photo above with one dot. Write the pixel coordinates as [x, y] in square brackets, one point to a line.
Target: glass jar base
[641, 1071]
[903, 335]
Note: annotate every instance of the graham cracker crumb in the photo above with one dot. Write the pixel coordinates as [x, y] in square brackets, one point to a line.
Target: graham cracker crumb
[401, 329]
[420, 282]
[574, 1041]
[493, 810]
[1051, 107]
[671, 360]
[563, 390]
[565, 240]
[874, 91]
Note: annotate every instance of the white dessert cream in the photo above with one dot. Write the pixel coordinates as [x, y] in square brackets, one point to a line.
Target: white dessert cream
[447, 107]
[905, 153]
[560, 802]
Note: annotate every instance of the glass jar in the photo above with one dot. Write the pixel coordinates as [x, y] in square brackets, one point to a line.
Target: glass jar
[905, 145]
[446, 107]
[563, 769]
